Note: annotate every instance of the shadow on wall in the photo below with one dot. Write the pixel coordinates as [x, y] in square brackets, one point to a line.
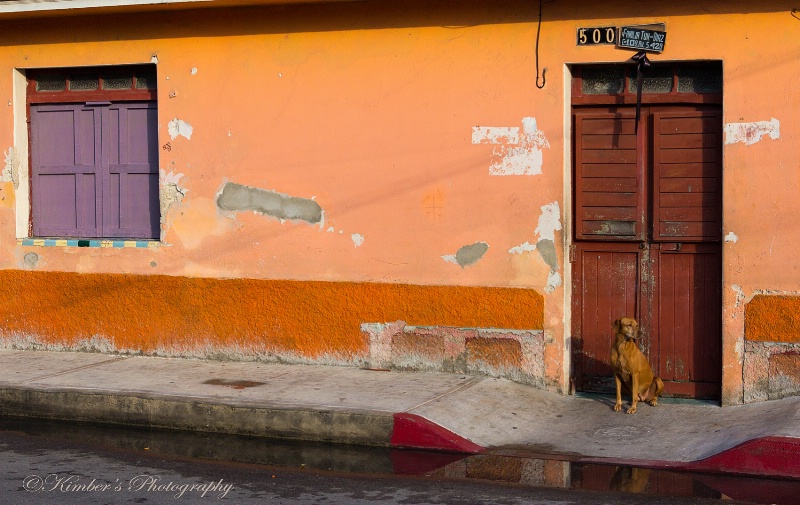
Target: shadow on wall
[332, 16]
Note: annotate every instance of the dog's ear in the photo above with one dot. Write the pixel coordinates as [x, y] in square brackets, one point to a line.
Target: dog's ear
[616, 325]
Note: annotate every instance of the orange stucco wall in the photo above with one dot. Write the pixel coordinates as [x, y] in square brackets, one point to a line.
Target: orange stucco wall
[369, 108]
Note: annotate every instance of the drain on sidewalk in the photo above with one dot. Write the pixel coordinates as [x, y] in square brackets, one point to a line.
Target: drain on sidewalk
[235, 384]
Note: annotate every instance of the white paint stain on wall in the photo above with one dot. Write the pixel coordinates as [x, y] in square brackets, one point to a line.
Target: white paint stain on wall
[731, 237]
[549, 221]
[495, 135]
[750, 133]
[522, 248]
[178, 127]
[553, 281]
[518, 151]
[450, 258]
[357, 238]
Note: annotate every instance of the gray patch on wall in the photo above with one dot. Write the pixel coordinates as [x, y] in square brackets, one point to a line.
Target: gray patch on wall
[237, 197]
[547, 250]
[469, 254]
[30, 260]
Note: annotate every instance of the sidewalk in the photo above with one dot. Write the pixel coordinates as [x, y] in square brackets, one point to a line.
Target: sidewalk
[458, 413]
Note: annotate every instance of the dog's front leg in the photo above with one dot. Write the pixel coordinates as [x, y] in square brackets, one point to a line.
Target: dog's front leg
[634, 393]
[618, 405]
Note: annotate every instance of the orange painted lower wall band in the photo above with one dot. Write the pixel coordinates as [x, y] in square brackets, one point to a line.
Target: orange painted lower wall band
[773, 318]
[310, 319]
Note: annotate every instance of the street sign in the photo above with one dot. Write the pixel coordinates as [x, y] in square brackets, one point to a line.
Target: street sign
[642, 38]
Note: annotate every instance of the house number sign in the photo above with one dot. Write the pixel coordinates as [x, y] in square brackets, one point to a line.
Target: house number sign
[597, 35]
[644, 37]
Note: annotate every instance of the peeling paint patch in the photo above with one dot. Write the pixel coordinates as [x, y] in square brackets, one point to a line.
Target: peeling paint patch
[553, 281]
[750, 133]
[739, 350]
[178, 127]
[8, 168]
[193, 71]
[170, 191]
[358, 239]
[450, 258]
[549, 222]
[495, 135]
[740, 296]
[468, 254]
[237, 197]
[731, 237]
[518, 151]
[547, 250]
[522, 248]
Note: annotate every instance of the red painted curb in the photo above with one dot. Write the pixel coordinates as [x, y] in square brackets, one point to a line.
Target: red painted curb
[413, 431]
[767, 456]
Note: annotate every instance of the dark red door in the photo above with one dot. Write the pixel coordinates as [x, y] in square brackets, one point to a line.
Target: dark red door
[648, 242]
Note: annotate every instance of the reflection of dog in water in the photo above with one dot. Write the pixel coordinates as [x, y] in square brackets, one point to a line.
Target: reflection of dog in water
[632, 372]
[630, 480]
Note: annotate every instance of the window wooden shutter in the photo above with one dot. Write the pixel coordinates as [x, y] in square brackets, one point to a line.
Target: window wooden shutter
[131, 186]
[65, 170]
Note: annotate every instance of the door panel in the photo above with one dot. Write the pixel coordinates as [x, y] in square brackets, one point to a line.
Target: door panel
[609, 197]
[687, 176]
[607, 278]
[688, 331]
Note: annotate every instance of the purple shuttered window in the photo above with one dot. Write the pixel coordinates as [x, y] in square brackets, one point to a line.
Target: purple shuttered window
[95, 170]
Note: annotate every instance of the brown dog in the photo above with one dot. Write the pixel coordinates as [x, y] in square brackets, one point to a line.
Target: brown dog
[631, 369]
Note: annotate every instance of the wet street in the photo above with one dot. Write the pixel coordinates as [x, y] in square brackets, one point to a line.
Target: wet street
[45, 462]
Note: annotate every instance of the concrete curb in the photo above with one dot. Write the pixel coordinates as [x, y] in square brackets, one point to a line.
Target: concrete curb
[400, 430]
[340, 426]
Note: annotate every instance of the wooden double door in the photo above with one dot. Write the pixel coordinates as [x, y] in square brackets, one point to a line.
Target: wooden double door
[648, 242]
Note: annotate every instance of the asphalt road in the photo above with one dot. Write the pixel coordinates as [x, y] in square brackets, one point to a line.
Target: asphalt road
[74, 466]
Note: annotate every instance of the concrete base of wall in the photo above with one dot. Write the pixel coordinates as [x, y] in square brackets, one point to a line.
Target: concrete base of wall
[517, 355]
[771, 371]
